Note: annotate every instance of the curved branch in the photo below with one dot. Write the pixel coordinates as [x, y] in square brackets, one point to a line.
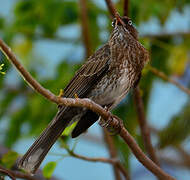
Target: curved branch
[166, 78]
[145, 130]
[126, 8]
[113, 161]
[113, 154]
[111, 8]
[85, 27]
[15, 174]
[7, 172]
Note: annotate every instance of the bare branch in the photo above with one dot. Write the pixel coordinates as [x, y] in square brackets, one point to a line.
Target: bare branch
[149, 164]
[85, 27]
[15, 174]
[7, 172]
[111, 8]
[89, 104]
[145, 131]
[113, 154]
[166, 35]
[126, 8]
[14, 170]
[113, 161]
[166, 78]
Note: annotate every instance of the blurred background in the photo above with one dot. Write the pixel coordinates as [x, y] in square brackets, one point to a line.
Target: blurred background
[47, 37]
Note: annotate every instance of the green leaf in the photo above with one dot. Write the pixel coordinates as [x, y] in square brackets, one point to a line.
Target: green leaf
[69, 129]
[49, 169]
[1, 67]
[9, 159]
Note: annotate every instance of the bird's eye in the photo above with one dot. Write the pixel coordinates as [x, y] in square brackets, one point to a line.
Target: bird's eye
[113, 22]
[130, 22]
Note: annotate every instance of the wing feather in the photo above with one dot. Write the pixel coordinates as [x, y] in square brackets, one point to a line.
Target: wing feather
[89, 74]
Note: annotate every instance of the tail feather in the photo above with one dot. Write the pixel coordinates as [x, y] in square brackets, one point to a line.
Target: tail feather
[84, 123]
[37, 152]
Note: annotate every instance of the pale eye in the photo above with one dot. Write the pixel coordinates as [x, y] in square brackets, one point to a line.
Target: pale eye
[113, 22]
[130, 22]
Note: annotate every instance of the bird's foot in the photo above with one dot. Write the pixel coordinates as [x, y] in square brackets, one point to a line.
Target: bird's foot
[113, 130]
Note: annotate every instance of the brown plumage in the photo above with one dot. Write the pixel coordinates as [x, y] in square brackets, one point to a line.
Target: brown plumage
[106, 77]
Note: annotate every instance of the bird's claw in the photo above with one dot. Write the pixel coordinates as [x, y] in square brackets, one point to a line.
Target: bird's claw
[106, 124]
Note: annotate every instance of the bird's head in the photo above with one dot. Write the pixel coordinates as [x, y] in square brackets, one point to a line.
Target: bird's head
[125, 24]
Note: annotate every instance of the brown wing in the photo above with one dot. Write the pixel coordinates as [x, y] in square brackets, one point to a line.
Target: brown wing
[89, 74]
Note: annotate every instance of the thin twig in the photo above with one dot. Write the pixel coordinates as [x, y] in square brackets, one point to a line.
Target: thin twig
[89, 104]
[77, 40]
[111, 7]
[113, 161]
[149, 164]
[184, 154]
[15, 174]
[166, 35]
[126, 8]
[7, 172]
[145, 131]
[112, 151]
[174, 162]
[85, 27]
[166, 78]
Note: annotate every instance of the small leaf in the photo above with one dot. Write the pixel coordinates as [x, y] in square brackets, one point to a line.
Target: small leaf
[1, 67]
[49, 169]
[9, 159]
[69, 129]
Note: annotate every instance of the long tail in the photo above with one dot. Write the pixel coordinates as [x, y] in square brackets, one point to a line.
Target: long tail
[39, 149]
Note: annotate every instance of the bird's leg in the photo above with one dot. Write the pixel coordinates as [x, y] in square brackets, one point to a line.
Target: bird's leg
[106, 124]
[102, 122]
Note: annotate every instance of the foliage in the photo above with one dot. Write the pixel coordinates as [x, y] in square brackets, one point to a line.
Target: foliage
[48, 169]
[8, 160]
[39, 21]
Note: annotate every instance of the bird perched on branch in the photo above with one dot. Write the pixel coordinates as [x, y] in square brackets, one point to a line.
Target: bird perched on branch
[106, 78]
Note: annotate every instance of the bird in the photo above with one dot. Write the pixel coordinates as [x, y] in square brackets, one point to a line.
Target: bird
[106, 78]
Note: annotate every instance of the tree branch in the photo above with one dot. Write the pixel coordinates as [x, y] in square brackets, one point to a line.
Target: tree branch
[7, 172]
[85, 27]
[113, 154]
[111, 8]
[14, 170]
[166, 35]
[15, 174]
[166, 78]
[126, 8]
[145, 131]
[113, 161]
[89, 104]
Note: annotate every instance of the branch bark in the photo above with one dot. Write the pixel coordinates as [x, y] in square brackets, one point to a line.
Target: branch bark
[166, 78]
[111, 8]
[113, 161]
[126, 8]
[85, 27]
[7, 172]
[112, 151]
[16, 174]
[89, 104]
[145, 131]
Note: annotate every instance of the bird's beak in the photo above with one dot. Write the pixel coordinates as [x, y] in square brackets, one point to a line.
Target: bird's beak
[119, 20]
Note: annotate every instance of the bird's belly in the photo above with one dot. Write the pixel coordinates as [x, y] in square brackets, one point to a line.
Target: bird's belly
[111, 89]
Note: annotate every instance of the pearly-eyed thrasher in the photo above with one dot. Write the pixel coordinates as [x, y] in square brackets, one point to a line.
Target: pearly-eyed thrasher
[106, 78]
